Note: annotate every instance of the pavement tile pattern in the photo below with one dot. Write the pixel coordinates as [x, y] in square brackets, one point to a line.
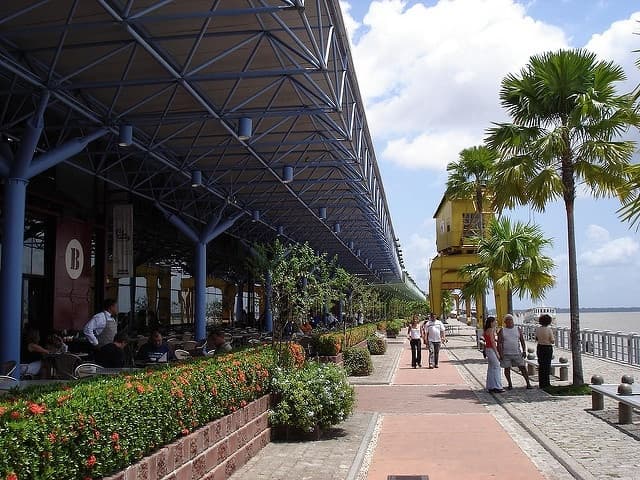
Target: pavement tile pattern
[556, 438]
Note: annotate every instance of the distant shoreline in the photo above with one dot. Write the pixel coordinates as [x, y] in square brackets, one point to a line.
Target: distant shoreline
[601, 309]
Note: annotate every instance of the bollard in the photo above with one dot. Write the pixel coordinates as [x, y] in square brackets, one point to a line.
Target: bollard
[564, 373]
[597, 401]
[625, 414]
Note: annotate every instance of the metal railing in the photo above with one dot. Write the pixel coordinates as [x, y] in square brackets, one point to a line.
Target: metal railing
[617, 346]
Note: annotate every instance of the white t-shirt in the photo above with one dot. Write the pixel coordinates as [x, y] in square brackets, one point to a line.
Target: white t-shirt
[414, 333]
[434, 329]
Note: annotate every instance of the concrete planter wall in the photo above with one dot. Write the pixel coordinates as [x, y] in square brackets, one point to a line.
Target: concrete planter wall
[212, 452]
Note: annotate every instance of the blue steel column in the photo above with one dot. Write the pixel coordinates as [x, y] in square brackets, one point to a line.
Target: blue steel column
[11, 278]
[13, 238]
[200, 291]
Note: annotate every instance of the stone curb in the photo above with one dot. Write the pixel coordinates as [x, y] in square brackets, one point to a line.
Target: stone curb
[362, 450]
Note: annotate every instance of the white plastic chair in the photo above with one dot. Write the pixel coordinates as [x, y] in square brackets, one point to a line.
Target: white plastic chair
[189, 345]
[7, 382]
[181, 354]
[87, 370]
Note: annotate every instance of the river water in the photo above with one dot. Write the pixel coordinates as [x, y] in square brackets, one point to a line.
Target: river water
[614, 321]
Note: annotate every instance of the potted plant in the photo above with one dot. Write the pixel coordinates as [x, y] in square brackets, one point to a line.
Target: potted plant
[393, 328]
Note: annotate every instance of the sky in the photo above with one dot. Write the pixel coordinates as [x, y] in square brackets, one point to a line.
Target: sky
[429, 73]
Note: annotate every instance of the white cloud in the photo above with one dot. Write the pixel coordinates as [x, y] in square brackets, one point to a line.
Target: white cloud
[597, 234]
[418, 252]
[619, 251]
[431, 75]
[617, 44]
[350, 23]
[432, 151]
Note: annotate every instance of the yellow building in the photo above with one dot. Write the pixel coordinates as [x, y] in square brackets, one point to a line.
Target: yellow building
[456, 225]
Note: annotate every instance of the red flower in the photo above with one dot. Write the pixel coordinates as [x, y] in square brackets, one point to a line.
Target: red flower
[115, 437]
[243, 403]
[52, 437]
[185, 431]
[140, 388]
[91, 461]
[15, 415]
[37, 409]
[12, 476]
[2, 410]
[63, 399]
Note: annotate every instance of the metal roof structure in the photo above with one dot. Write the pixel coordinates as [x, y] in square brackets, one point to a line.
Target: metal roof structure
[254, 100]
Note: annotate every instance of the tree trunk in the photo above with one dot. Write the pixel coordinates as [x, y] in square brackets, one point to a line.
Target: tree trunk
[509, 301]
[576, 354]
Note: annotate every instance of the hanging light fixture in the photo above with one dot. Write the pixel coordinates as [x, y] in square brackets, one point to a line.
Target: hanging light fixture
[351, 245]
[245, 128]
[357, 252]
[255, 216]
[196, 178]
[287, 174]
[322, 213]
[336, 228]
[125, 135]
[280, 230]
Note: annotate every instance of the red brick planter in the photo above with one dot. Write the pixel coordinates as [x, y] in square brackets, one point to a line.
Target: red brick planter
[212, 452]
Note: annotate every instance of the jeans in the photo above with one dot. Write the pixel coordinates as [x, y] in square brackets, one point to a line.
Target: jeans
[545, 352]
[416, 352]
[434, 352]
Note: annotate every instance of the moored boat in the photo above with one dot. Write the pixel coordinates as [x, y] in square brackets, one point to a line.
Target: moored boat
[532, 315]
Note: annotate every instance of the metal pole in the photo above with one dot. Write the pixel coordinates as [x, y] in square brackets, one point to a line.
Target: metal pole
[268, 314]
[200, 291]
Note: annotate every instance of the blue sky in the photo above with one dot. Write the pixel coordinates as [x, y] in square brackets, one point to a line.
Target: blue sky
[429, 73]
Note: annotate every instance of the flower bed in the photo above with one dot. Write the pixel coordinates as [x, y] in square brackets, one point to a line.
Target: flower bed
[100, 426]
[332, 343]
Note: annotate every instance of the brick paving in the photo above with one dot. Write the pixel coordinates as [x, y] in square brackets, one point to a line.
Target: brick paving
[560, 436]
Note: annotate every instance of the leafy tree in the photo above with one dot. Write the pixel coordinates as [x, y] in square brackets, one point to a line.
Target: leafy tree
[511, 257]
[566, 122]
[471, 176]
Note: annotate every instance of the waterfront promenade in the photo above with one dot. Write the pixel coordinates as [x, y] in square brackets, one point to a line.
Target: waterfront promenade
[443, 424]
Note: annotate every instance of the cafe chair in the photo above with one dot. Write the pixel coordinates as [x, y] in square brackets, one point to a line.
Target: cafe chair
[65, 365]
[189, 345]
[7, 382]
[87, 370]
[7, 368]
[181, 354]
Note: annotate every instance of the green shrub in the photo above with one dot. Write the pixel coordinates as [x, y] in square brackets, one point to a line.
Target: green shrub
[328, 344]
[357, 361]
[317, 395]
[394, 327]
[98, 426]
[376, 345]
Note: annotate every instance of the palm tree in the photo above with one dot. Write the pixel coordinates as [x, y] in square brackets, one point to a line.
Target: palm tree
[511, 258]
[470, 176]
[566, 122]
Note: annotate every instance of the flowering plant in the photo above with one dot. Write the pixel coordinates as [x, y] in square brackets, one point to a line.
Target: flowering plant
[315, 396]
[98, 426]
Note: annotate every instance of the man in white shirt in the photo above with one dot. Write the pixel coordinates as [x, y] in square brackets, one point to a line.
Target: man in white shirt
[434, 334]
[103, 326]
[512, 350]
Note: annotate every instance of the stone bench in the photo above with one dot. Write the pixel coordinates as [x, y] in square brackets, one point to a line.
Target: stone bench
[626, 403]
[532, 367]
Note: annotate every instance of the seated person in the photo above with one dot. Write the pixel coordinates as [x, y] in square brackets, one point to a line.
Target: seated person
[306, 327]
[216, 343]
[112, 354]
[55, 344]
[32, 354]
[155, 350]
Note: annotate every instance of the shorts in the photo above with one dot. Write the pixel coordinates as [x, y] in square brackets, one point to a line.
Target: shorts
[509, 361]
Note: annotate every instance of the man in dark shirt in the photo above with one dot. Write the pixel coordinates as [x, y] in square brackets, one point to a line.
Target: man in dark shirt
[155, 350]
[112, 354]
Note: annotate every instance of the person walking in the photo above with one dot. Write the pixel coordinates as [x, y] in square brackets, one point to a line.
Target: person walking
[413, 333]
[434, 333]
[512, 350]
[494, 381]
[544, 349]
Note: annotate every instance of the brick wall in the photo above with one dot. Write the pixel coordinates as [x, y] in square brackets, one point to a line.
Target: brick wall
[212, 452]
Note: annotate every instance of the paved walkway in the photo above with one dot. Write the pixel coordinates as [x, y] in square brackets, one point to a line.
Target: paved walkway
[442, 423]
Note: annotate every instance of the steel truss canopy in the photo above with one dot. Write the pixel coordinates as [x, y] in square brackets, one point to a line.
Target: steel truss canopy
[260, 97]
